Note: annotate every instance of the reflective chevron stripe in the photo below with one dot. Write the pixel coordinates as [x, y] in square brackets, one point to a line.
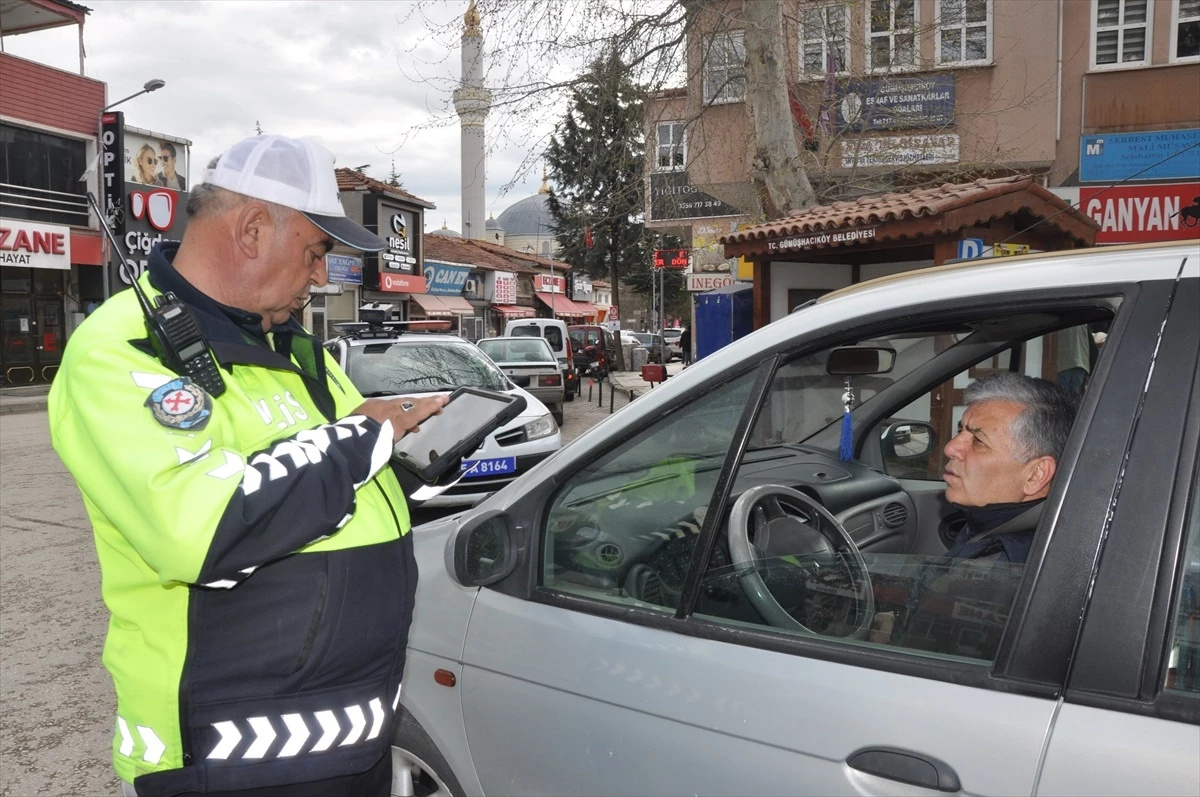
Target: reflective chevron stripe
[152, 746]
[295, 729]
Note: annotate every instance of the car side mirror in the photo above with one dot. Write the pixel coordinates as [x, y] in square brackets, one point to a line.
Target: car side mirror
[907, 440]
[483, 551]
[860, 360]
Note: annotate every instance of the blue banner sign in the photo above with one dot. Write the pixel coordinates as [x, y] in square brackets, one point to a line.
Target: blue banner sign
[892, 103]
[1159, 155]
[344, 268]
[445, 280]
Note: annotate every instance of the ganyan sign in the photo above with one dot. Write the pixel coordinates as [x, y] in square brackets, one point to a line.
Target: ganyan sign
[828, 238]
[30, 244]
[1143, 213]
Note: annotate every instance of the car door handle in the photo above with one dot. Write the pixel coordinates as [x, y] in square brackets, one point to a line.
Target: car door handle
[906, 767]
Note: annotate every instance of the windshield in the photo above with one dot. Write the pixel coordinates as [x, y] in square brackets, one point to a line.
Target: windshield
[392, 368]
[522, 350]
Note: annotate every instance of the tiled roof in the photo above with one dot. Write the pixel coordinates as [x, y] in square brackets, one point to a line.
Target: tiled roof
[916, 204]
[350, 180]
[486, 256]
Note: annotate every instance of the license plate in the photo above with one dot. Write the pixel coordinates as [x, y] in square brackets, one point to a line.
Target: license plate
[497, 466]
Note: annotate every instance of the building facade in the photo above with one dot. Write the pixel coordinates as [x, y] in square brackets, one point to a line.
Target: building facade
[51, 257]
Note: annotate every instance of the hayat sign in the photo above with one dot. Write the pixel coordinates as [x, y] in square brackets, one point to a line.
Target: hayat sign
[30, 245]
[832, 238]
[1143, 213]
[708, 282]
[401, 283]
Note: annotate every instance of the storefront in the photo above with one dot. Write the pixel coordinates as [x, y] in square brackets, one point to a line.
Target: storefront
[550, 291]
[395, 275]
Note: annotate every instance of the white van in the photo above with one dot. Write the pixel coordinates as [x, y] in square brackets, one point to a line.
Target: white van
[555, 333]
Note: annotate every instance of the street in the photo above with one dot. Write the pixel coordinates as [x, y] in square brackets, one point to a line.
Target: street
[56, 700]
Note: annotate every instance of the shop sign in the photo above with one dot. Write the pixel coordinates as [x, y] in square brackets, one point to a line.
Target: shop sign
[397, 230]
[502, 287]
[445, 280]
[672, 196]
[152, 215]
[1143, 213]
[708, 282]
[112, 169]
[893, 103]
[401, 283]
[544, 283]
[1161, 155]
[1009, 250]
[30, 245]
[671, 258]
[831, 238]
[345, 269]
[900, 150]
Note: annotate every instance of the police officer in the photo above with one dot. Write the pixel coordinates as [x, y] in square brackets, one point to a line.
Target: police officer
[254, 547]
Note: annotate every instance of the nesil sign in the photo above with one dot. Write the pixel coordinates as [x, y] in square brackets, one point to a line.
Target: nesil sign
[30, 245]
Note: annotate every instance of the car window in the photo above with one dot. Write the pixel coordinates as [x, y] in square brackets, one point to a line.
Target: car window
[1183, 672]
[554, 337]
[576, 336]
[517, 350]
[640, 503]
[391, 368]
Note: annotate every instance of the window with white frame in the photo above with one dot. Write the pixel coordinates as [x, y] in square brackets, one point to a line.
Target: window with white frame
[1185, 30]
[964, 32]
[672, 146]
[1121, 33]
[823, 40]
[725, 68]
[892, 35]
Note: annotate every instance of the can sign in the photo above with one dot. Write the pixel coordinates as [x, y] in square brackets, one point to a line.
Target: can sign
[1143, 213]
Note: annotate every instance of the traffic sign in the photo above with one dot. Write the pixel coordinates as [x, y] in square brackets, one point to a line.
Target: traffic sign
[969, 248]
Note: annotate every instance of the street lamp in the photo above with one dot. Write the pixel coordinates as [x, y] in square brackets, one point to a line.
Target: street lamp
[154, 84]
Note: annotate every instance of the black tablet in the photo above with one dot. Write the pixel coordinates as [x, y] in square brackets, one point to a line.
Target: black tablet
[443, 440]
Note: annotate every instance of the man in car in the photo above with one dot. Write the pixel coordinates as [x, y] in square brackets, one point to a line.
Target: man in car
[1003, 460]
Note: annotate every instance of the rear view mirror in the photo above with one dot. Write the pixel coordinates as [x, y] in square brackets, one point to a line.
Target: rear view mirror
[860, 360]
[483, 551]
[908, 440]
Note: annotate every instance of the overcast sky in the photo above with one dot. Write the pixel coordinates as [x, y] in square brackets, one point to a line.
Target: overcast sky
[363, 78]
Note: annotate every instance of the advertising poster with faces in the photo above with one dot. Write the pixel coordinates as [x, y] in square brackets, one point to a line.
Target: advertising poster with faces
[154, 161]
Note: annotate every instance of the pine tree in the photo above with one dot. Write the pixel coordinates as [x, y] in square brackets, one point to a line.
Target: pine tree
[595, 158]
[394, 177]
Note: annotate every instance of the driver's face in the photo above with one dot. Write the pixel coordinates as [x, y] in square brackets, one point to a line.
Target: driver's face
[983, 468]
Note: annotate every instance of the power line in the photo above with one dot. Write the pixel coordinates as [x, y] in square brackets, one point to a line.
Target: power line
[1101, 192]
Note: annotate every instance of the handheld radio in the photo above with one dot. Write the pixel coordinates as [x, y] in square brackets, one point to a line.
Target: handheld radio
[172, 328]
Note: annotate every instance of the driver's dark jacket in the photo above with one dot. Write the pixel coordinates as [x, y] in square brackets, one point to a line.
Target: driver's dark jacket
[258, 567]
[998, 532]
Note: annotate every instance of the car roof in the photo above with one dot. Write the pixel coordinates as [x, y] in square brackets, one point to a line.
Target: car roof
[407, 337]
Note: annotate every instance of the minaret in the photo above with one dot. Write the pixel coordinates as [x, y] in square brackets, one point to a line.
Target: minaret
[471, 101]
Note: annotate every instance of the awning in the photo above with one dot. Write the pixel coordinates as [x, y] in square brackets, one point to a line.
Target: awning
[513, 311]
[458, 305]
[563, 306]
[433, 306]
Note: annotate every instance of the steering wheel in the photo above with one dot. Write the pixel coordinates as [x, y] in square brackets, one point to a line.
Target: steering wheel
[806, 528]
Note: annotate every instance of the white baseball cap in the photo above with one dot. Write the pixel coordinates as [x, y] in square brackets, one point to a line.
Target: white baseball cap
[294, 173]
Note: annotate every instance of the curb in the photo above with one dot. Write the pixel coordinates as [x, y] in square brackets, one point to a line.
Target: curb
[26, 405]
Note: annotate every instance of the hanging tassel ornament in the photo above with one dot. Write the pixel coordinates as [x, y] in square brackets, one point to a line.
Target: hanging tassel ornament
[846, 452]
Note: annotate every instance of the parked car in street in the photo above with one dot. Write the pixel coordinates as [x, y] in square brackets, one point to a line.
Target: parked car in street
[684, 600]
[554, 332]
[384, 360]
[653, 344]
[673, 337]
[595, 349]
[530, 364]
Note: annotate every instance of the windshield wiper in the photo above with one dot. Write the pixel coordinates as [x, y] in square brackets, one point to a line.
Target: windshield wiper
[379, 393]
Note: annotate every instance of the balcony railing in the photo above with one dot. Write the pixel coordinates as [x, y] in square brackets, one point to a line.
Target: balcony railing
[41, 204]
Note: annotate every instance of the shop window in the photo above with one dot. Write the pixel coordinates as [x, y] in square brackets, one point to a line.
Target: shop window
[725, 68]
[1121, 33]
[823, 41]
[41, 174]
[964, 32]
[672, 146]
[892, 35]
[1185, 30]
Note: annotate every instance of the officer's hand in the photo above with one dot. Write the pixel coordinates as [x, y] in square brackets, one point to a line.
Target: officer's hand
[405, 412]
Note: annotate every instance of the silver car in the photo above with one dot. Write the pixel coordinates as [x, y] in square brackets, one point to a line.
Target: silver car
[530, 364]
[685, 600]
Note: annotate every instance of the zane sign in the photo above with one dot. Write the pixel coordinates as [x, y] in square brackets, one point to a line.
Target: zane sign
[34, 245]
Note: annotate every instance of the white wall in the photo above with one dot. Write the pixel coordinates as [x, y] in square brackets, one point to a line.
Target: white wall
[784, 276]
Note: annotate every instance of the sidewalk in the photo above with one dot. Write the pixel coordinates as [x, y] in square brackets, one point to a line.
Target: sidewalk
[632, 380]
[30, 398]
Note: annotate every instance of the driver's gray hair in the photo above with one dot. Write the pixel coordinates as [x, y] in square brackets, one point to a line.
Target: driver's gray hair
[206, 199]
[1041, 429]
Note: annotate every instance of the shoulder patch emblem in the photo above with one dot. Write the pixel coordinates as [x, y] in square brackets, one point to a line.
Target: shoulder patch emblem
[180, 404]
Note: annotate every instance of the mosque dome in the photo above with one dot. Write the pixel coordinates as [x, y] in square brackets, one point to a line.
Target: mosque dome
[530, 216]
[446, 232]
[492, 224]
